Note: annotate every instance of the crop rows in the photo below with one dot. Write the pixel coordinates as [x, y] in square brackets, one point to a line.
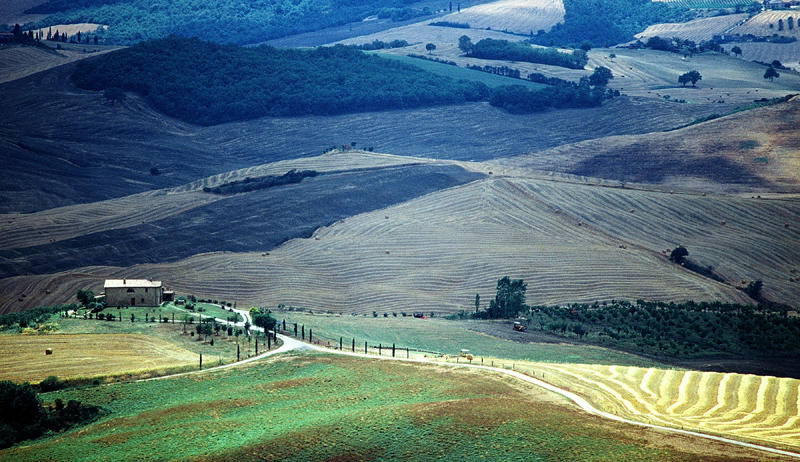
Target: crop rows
[696, 30]
[753, 407]
[516, 16]
[759, 24]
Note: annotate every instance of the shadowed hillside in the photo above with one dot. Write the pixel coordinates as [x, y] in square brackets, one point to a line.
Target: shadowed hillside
[756, 150]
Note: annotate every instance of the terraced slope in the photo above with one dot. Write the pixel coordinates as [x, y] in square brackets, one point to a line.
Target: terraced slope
[696, 30]
[516, 16]
[751, 407]
[752, 150]
[428, 254]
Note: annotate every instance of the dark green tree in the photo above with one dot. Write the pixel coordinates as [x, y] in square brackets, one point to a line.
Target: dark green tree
[679, 254]
[265, 321]
[465, 44]
[430, 47]
[586, 45]
[85, 296]
[771, 74]
[737, 51]
[691, 76]
[600, 76]
[753, 289]
[477, 302]
[509, 299]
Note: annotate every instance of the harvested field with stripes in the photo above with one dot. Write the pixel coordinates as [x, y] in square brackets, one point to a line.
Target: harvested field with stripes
[432, 254]
[787, 53]
[751, 151]
[749, 407]
[696, 30]
[766, 24]
[516, 16]
[23, 358]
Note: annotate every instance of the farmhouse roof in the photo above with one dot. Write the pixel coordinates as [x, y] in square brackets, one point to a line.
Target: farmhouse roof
[116, 283]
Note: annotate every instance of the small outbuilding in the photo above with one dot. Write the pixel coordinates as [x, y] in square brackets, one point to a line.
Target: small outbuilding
[133, 292]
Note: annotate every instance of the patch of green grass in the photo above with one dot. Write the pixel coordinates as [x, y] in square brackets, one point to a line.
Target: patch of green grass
[749, 144]
[449, 337]
[761, 160]
[319, 407]
[460, 73]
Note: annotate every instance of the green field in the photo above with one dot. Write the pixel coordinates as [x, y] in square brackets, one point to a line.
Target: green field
[449, 337]
[461, 73]
[375, 410]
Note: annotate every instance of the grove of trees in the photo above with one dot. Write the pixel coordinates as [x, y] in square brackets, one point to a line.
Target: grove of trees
[206, 83]
[681, 330]
[691, 76]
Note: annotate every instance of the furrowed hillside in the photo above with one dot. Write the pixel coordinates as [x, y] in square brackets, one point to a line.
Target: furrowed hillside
[755, 150]
[435, 252]
[65, 146]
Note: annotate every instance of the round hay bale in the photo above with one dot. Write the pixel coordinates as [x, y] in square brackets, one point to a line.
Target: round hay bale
[48, 351]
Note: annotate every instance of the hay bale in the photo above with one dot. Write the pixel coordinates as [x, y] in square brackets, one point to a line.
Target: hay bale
[48, 351]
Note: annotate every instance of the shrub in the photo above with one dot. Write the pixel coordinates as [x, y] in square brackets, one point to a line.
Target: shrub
[51, 383]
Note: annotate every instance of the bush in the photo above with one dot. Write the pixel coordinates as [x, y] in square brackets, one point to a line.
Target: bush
[51, 383]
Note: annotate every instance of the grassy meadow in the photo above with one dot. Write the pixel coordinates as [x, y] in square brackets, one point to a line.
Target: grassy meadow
[449, 337]
[373, 411]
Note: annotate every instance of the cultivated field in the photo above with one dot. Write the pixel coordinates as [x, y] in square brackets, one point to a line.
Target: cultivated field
[13, 11]
[655, 74]
[71, 29]
[787, 53]
[23, 359]
[516, 16]
[766, 24]
[696, 30]
[97, 151]
[20, 61]
[320, 407]
[422, 33]
[750, 151]
[750, 407]
[431, 254]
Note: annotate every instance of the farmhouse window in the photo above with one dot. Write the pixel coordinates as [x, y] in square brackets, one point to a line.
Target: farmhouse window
[142, 299]
[145, 290]
[130, 291]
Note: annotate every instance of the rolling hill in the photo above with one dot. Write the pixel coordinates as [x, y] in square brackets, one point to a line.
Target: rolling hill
[435, 252]
[755, 150]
